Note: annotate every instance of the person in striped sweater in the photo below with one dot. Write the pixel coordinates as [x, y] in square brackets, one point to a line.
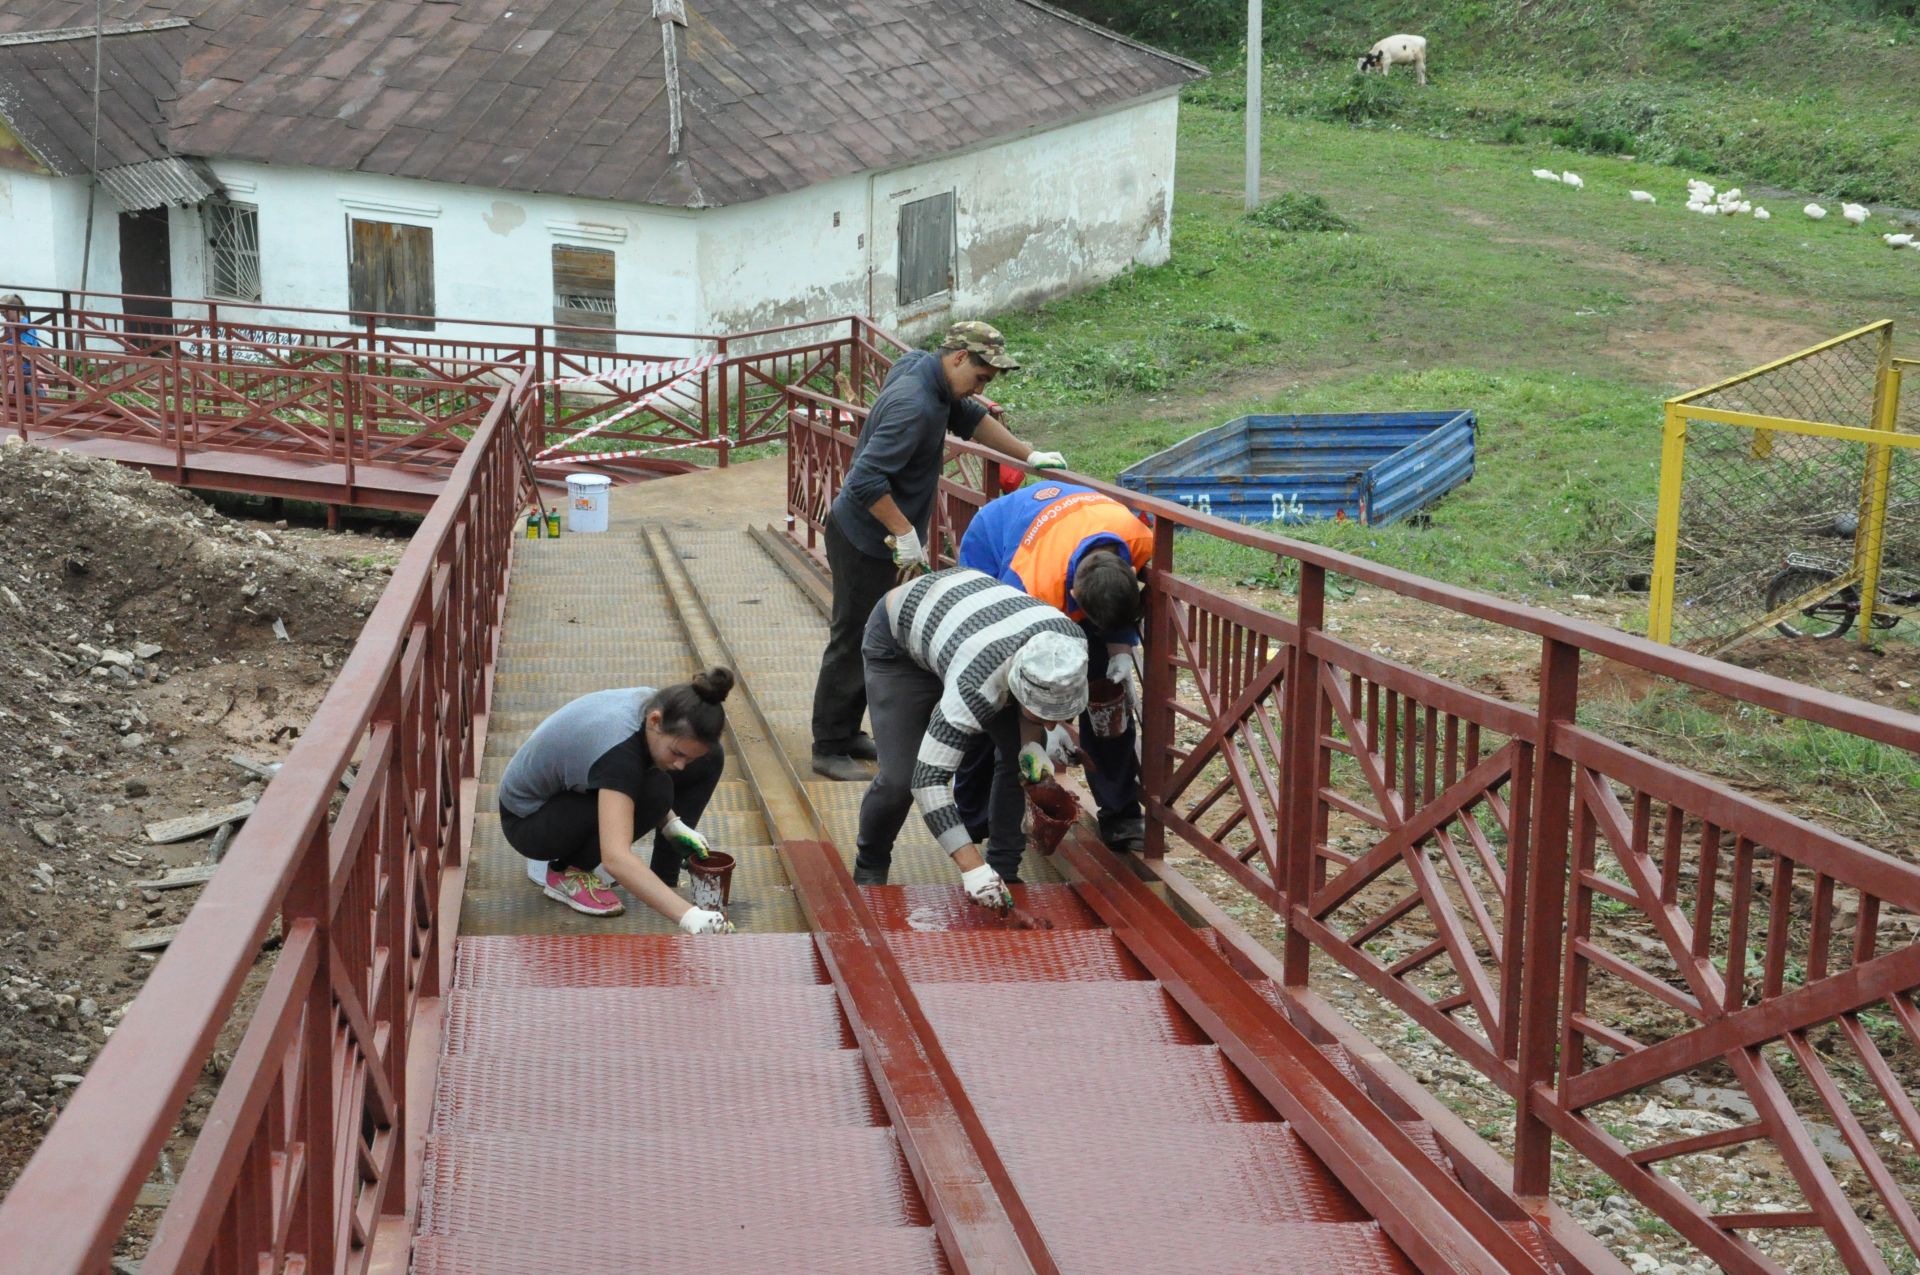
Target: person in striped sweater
[951, 656]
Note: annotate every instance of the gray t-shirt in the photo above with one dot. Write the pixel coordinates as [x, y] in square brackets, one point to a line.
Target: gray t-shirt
[597, 741]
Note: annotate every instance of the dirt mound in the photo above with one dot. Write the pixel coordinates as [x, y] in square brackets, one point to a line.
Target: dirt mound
[146, 637]
[1889, 674]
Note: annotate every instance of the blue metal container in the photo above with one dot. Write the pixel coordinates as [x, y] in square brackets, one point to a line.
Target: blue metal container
[1371, 467]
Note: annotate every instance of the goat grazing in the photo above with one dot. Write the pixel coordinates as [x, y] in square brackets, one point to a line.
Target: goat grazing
[1398, 49]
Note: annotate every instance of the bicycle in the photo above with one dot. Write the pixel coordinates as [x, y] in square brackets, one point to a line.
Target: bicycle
[1832, 615]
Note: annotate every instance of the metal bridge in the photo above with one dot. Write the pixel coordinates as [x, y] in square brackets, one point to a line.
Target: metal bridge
[447, 1072]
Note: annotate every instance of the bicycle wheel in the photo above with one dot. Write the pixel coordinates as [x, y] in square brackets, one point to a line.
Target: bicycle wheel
[1827, 619]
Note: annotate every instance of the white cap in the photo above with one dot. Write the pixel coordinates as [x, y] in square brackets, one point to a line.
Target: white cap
[1049, 676]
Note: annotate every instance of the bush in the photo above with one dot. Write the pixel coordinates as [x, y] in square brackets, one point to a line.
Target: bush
[1361, 98]
[1597, 141]
[1297, 214]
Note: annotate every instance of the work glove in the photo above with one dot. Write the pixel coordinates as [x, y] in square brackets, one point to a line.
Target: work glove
[1060, 747]
[1035, 766]
[701, 921]
[1046, 460]
[685, 837]
[907, 549]
[1120, 667]
[984, 886]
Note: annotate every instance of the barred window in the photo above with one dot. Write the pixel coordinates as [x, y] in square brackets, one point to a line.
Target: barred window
[233, 249]
[583, 297]
[926, 248]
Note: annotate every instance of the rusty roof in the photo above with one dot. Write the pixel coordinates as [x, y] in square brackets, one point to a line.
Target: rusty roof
[570, 97]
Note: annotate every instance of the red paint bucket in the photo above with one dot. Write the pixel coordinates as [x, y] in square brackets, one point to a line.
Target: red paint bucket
[1051, 810]
[712, 880]
[1107, 707]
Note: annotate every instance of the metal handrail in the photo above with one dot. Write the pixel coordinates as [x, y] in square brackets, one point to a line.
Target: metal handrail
[1295, 696]
[432, 633]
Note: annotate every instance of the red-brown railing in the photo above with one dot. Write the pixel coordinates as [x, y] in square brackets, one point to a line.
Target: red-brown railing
[1493, 869]
[348, 388]
[302, 1152]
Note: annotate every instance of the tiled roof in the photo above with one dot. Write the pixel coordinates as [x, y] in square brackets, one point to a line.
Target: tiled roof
[46, 95]
[570, 96]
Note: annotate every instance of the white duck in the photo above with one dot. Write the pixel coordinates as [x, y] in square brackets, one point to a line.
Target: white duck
[1573, 180]
[1641, 197]
[1856, 214]
[1546, 174]
[1761, 214]
[1814, 211]
[1898, 241]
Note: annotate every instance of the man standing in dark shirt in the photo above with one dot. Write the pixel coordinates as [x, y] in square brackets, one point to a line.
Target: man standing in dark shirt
[878, 523]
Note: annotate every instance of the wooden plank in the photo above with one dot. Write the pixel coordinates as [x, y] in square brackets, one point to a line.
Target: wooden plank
[258, 769]
[179, 878]
[187, 827]
[148, 940]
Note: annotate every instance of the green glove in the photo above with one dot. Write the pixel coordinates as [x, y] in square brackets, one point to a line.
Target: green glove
[683, 835]
[1035, 766]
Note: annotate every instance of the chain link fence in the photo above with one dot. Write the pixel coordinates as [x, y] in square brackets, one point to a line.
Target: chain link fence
[1758, 511]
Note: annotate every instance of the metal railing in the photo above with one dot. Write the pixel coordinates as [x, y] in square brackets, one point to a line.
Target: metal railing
[1492, 869]
[348, 388]
[303, 1149]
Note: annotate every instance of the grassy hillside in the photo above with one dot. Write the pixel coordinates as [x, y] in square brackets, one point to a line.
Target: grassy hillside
[1562, 316]
[1810, 95]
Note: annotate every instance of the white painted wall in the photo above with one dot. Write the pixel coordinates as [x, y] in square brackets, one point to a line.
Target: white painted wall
[1037, 216]
[43, 225]
[492, 250]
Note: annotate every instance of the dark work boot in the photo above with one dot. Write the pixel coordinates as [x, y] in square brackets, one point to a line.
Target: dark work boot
[1125, 834]
[869, 876]
[841, 766]
[861, 748]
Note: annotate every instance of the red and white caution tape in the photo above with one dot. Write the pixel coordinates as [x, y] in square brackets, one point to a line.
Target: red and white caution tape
[638, 405]
[638, 371]
[594, 458]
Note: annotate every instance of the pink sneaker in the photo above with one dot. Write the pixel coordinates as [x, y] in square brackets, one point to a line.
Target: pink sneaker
[581, 891]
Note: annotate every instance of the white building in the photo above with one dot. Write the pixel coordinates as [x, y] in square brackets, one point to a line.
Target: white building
[663, 165]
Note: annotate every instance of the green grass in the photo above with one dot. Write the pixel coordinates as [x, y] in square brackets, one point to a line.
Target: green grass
[1810, 94]
[1862, 785]
[1555, 314]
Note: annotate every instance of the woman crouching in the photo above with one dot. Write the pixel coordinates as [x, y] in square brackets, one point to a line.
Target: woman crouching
[603, 771]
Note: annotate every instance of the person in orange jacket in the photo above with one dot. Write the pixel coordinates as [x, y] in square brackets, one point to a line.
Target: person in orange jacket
[1081, 552]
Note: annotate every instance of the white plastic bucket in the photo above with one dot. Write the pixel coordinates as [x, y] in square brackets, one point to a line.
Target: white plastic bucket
[587, 496]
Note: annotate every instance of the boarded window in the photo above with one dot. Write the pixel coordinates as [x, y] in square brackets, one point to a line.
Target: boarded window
[233, 249]
[583, 297]
[926, 248]
[390, 271]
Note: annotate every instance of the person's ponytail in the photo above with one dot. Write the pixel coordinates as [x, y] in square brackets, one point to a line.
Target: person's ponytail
[693, 709]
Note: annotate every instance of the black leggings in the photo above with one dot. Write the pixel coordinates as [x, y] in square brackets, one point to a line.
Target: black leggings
[566, 830]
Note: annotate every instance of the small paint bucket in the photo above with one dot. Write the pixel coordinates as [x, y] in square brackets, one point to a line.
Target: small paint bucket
[712, 879]
[1107, 707]
[1051, 810]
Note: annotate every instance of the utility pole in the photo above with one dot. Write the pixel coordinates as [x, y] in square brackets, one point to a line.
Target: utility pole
[1254, 61]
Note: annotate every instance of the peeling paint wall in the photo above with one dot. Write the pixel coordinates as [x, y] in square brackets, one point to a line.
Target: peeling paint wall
[1036, 217]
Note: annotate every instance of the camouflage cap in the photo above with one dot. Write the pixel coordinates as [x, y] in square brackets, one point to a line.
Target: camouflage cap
[982, 339]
